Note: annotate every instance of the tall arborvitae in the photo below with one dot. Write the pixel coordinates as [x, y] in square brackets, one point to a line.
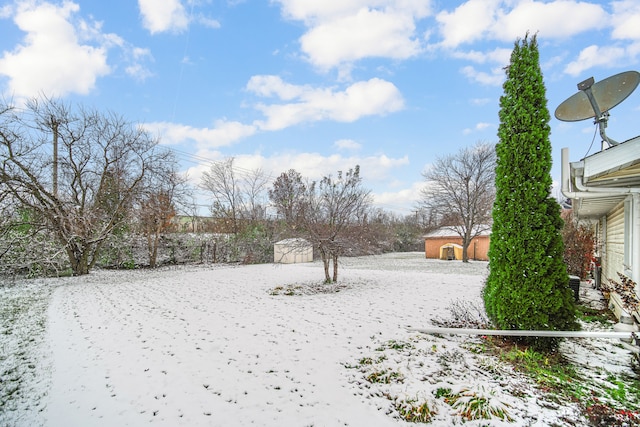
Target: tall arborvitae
[527, 287]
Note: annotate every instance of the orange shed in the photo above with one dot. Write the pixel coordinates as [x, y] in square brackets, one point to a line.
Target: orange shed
[446, 236]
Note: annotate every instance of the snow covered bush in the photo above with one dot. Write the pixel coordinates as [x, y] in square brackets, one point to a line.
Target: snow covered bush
[25, 251]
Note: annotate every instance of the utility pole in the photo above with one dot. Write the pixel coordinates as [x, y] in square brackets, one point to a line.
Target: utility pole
[54, 127]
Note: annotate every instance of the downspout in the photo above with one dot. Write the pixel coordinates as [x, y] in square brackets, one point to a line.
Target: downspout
[635, 268]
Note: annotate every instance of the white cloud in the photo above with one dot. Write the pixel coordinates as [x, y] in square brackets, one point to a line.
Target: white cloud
[477, 128]
[208, 22]
[163, 15]
[6, 11]
[509, 20]
[347, 144]
[400, 199]
[366, 33]
[306, 104]
[51, 58]
[479, 102]
[468, 22]
[501, 56]
[136, 69]
[373, 169]
[495, 78]
[311, 12]
[626, 20]
[597, 56]
[267, 86]
[555, 19]
[223, 133]
[341, 32]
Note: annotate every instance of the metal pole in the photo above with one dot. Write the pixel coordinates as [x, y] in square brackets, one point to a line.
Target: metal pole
[54, 125]
[519, 333]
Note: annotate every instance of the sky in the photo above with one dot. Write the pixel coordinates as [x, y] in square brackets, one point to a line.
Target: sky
[319, 87]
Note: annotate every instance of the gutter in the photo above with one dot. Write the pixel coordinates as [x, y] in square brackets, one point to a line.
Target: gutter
[584, 191]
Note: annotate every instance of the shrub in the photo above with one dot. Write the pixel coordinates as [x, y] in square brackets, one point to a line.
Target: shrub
[578, 245]
[415, 410]
[527, 287]
[479, 404]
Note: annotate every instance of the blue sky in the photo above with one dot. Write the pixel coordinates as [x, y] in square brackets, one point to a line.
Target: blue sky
[318, 86]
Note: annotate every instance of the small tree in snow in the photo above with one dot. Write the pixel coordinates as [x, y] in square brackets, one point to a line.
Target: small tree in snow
[331, 213]
[334, 216]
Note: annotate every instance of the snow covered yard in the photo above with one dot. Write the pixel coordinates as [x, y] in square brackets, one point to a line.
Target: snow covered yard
[228, 346]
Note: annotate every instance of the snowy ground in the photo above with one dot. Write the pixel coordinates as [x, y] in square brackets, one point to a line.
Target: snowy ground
[230, 346]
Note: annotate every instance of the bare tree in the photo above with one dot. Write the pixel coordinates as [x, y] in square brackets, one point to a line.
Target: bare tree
[255, 182]
[164, 191]
[221, 181]
[78, 171]
[334, 216]
[236, 196]
[287, 195]
[461, 191]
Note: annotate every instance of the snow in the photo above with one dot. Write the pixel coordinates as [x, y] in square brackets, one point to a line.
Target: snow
[262, 345]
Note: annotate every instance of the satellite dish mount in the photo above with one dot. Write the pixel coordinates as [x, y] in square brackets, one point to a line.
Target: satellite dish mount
[601, 118]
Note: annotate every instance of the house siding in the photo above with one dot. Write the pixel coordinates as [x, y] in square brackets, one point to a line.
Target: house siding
[614, 247]
[478, 248]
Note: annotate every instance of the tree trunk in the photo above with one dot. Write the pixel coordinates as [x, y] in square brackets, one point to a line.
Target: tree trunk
[335, 268]
[152, 248]
[325, 261]
[465, 250]
[78, 258]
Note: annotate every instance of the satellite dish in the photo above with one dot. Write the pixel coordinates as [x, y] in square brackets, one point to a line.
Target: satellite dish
[596, 99]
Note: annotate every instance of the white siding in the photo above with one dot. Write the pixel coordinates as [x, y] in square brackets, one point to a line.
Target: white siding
[614, 248]
[614, 252]
[291, 251]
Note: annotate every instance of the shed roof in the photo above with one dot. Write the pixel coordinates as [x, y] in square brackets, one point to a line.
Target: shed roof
[293, 241]
[484, 230]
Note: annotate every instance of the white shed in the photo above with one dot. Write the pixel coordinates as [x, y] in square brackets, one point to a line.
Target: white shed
[290, 251]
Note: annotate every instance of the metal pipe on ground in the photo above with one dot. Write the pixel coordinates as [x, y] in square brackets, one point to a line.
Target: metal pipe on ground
[517, 333]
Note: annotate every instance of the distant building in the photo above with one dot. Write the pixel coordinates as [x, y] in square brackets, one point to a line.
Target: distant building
[291, 251]
[445, 243]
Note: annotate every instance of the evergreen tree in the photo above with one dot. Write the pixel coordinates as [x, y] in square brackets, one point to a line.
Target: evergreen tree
[527, 287]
